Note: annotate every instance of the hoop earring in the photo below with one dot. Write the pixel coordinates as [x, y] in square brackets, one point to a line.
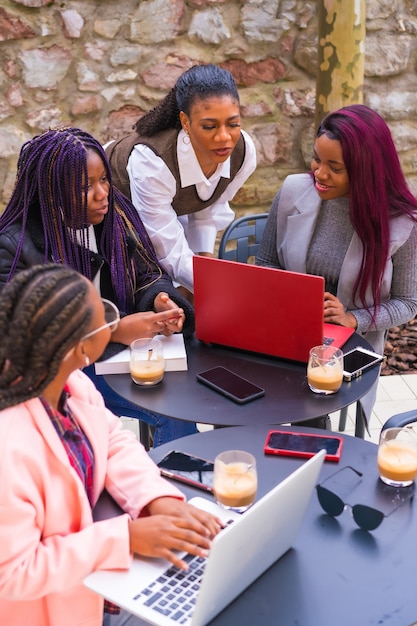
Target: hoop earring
[186, 138]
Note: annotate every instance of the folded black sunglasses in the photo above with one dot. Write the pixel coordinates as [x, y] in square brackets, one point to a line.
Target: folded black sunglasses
[366, 517]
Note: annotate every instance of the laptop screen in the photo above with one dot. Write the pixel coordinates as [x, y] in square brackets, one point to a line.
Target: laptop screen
[259, 309]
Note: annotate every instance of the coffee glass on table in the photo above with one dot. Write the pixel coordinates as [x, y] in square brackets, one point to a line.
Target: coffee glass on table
[235, 480]
[397, 456]
[325, 369]
[147, 364]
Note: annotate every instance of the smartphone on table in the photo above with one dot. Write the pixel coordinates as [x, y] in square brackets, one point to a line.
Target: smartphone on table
[359, 360]
[231, 385]
[303, 445]
[188, 469]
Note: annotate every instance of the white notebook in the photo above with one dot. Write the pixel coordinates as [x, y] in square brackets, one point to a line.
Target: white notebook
[175, 357]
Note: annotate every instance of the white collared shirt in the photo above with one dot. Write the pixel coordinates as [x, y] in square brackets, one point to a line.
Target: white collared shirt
[153, 188]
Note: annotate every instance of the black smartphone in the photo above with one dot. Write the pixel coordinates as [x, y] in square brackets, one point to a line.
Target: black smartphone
[356, 361]
[304, 445]
[231, 385]
[188, 469]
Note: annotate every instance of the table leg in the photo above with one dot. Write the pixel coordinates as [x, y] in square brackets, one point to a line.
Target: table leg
[360, 421]
[342, 419]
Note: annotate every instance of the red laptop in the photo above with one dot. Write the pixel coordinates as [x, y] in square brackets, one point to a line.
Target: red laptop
[261, 309]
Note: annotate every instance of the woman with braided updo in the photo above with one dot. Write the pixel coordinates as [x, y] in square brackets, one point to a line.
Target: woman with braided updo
[65, 209]
[183, 164]
[60, 448]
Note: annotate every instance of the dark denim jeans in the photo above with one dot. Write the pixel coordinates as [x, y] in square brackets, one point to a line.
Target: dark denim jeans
[166, 429]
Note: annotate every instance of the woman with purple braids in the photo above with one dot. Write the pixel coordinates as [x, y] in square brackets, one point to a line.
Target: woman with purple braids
[65, 209]
[351, 220]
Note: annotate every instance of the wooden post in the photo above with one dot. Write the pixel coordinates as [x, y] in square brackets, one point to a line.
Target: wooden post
[341, 55]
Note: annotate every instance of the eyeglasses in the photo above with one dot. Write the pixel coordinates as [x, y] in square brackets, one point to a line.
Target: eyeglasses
[112, 317]
[365, 516]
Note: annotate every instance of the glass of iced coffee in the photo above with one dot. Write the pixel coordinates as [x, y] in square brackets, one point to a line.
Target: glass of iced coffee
[325, 369]
[235, 480]
[397, 456]
[146, 362]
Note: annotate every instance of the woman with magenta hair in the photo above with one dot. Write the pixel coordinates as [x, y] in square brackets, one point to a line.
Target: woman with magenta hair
[65, 209]
[183, 164]
[351, 220]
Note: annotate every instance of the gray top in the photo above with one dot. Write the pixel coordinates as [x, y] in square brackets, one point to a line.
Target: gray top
[329, 244]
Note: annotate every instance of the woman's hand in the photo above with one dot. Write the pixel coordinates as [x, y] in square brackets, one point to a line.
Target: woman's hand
[176, 507]
[148, 324]
[175, 323]
[334, 312]
[173, 525]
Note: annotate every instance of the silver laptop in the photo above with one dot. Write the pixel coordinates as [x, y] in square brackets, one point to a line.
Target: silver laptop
[240, 553]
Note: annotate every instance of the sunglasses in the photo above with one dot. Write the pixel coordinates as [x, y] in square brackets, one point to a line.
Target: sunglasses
[112, 317]
[366, 517]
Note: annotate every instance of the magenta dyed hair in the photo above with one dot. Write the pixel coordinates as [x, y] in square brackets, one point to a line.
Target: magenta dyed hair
[51, 188]
[378, 189]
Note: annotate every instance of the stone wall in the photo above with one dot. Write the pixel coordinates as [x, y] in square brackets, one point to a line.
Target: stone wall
[99, 64]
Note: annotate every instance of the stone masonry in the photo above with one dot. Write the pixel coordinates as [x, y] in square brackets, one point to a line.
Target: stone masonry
[99, 64]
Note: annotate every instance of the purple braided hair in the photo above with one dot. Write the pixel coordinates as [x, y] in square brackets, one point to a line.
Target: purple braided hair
[50, 188]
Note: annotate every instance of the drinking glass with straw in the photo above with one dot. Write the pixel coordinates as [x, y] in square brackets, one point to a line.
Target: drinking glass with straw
[147, 364]
[325, 369]
[235, 480]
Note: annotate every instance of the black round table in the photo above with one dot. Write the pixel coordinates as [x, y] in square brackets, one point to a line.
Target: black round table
[287, 396]
[335, 573]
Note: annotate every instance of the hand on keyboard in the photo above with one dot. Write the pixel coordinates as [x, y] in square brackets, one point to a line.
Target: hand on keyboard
[173, 526]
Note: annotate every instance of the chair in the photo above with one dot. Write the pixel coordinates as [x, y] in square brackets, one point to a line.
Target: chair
[401, 419]
[241, 239]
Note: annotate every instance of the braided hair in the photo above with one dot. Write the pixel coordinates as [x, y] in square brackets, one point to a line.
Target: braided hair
[51, 188]
[200, 82]
[44, 311]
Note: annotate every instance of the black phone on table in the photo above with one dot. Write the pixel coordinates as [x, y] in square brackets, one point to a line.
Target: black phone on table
[303, 445]
[231, 385]
[358, 360]
[188, 469]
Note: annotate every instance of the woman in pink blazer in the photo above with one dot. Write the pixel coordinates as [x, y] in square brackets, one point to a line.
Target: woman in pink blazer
[59, 448]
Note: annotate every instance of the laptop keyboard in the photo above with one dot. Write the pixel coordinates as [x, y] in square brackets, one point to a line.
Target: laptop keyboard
[175, 591]
[327, 341]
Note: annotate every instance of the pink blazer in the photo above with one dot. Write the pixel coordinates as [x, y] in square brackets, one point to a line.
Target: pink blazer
[48, 541]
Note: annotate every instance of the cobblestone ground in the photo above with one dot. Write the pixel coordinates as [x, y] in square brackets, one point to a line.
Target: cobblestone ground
[401, 350]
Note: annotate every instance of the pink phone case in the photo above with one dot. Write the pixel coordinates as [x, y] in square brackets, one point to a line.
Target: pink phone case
[303, 439]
